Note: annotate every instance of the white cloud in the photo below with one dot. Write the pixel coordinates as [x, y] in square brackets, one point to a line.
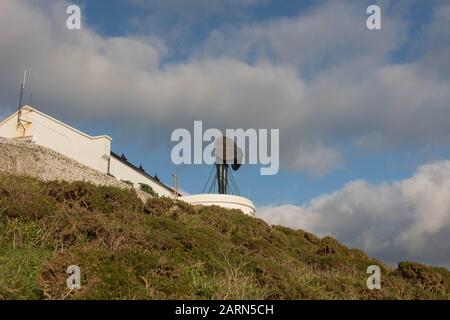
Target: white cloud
[325, 35]
[405, 220]
[316, 159]
[320, 77]
[370, 142]
[436, 35]
[199, 9]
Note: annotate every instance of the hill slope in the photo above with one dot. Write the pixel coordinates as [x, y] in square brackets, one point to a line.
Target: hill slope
[169, 250]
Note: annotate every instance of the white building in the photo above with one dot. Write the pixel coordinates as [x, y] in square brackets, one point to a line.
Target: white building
[93, 151]
[227, 201]
[34, 126]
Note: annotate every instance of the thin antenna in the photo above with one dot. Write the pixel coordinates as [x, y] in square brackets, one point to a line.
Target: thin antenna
[175, 178]
[22, 88]
[19, 113]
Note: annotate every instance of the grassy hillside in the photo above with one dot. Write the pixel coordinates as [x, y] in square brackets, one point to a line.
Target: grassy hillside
[169, 250]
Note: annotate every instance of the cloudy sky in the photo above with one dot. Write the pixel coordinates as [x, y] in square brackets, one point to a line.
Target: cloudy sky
[364, 115]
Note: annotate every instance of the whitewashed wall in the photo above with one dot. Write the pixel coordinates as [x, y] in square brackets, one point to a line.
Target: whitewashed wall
[227, 201]
[94, 152]
[49, 132]
[124, 172]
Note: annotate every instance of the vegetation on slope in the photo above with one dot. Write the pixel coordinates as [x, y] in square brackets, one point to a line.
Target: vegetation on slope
[167, 249]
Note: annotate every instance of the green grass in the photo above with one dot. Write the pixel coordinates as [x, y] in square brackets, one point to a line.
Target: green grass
[147, 189]
[166, 249]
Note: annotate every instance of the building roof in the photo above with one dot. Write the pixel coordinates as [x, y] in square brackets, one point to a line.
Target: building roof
[141, 170]
[28, 108]
[122, 158]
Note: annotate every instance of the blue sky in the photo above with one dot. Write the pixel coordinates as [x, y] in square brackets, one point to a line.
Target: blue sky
[118, 18]
[364, 115]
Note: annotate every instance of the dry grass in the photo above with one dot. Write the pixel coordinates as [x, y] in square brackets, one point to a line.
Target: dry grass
[167, 249]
